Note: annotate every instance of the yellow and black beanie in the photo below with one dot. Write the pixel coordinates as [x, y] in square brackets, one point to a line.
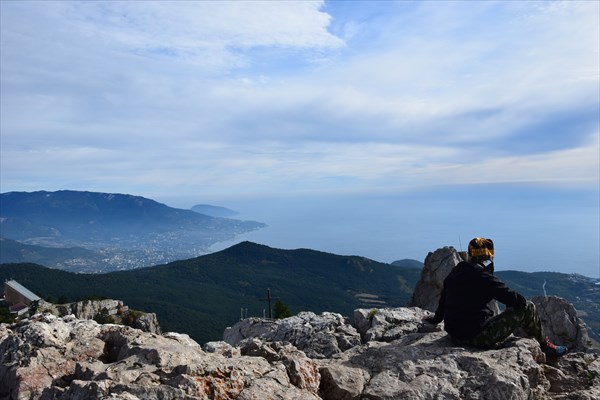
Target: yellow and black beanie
[481, 247]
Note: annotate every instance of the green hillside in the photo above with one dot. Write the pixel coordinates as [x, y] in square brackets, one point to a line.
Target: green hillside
[203, 295]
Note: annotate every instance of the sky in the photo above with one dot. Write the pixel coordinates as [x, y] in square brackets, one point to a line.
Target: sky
[307, 108]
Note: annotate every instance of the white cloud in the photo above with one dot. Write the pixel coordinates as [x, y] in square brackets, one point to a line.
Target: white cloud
[206, 101]
[452, 60]
[579, 166]
[217, 94]
[195, 30]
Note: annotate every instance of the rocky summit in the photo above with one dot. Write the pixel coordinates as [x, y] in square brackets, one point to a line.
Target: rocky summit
[384, 353]
[320, 357]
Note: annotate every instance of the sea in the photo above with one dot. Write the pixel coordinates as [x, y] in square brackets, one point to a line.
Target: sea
[533, 228]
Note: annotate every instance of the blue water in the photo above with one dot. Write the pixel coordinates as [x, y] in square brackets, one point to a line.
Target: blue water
[534, 228]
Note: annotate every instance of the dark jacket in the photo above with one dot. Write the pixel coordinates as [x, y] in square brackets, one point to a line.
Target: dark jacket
[464, 302]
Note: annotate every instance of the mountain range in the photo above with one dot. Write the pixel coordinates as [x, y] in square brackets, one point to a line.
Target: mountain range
[100, 232]
[203, 295]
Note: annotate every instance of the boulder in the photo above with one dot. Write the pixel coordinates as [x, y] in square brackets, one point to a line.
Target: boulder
[561, 323]
[302, 371]
[319, 336]
[222, 348]
[388, 324]
[436, 268]
[147, 322]
[249, 328]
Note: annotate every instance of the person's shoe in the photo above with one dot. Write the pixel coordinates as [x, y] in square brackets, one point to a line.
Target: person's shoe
[550, 349]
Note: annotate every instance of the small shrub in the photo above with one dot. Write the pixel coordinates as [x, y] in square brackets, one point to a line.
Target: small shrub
[103, 317]
[281, 310]
[373, 313]
[33, 307]
[131, 316]
[5, 316]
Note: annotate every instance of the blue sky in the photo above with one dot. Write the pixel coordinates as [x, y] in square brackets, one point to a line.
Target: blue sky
[216, 102]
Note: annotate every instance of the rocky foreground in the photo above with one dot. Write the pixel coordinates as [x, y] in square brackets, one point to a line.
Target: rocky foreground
[384, 354]
[388, 354]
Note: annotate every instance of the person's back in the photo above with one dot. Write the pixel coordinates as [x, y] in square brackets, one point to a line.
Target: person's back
[464, 304]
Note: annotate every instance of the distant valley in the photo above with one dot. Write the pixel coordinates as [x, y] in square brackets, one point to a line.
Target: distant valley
[101, 232]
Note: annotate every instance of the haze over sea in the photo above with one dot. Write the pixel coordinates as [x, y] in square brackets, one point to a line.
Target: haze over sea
[531, 226]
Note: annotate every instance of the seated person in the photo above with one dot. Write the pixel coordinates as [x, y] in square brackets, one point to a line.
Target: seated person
[464, 305]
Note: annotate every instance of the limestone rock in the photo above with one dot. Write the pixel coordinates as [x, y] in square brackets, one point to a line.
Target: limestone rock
[561, 323]
[304, 357]
[249, 328]
[388, 324]
[147, 322]
[427, 365]
[319, 336]
[47, 357]
[342, 380]
[437, 266]
[223, 348]
[575, 377]
[87, 309]
[112, 310]
[301, 370]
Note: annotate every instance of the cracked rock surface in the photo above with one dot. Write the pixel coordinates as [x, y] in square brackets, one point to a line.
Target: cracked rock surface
[47, 357]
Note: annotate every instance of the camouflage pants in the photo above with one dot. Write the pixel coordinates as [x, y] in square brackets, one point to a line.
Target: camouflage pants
[500, 327]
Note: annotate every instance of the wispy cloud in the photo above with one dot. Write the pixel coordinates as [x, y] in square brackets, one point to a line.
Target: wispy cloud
[297, 96]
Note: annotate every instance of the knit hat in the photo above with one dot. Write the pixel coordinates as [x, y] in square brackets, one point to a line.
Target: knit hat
[481, 247]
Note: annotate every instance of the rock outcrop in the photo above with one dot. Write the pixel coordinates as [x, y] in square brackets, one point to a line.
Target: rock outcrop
[561, 322]
[319, 336]
[428, 366]
[146, 322]
[436, 268]
[47, 357]
[107, 310]
[88, 309]
[387, 324]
